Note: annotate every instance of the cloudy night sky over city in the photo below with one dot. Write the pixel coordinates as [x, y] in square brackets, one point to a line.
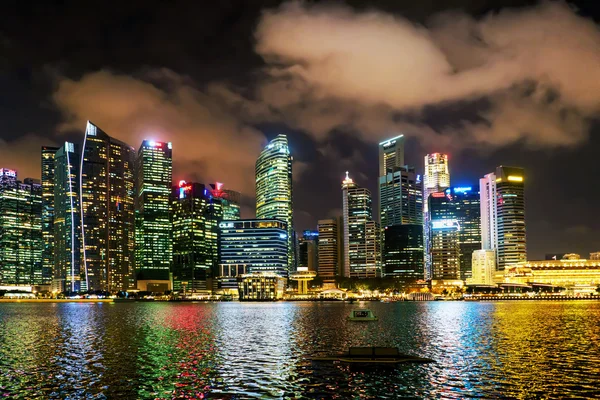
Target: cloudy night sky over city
[488, 82]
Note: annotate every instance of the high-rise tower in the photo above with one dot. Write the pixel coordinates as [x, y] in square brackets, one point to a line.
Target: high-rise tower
[153, 229]
[391, 154]
[48, 212]
[67, 222]
[401, 197]
[106, 179]
[230, 200]
[274, 187]
[503, 215]
[436, 179]
[362, 236]
[20, 230]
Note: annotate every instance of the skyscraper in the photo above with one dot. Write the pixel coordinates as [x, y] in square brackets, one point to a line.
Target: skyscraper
[106, 179]
[21, 240]
[403, 254]
[257, 245]
[456, 208]
[67, 221]
[196, 218]
[329, 249]
[274, 187]
[400, 197]
[436, 179]
[48, 168]
[153, 229]
[308, 250]
[391, 154]
[362, 241]
[510, 215]
[487, 196]
[230, 200]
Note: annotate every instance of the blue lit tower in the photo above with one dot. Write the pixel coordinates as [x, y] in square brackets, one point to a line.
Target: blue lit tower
[274, 187]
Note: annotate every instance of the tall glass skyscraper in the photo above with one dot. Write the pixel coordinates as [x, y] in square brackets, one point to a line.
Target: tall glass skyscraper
[503, 215]
[362, 236]
[21, 240]
[391, 154]
[48, 168]
[274, 187]
[230, 200]
[455, 224]
[107, 211]
[196, 218]
[330, 249]
[401, 197]
[403, 254]
[436, 179]
[67, 221]
[153, 234]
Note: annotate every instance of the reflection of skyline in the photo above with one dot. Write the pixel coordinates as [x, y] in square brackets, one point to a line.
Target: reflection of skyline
[161, 350]
[255, 347]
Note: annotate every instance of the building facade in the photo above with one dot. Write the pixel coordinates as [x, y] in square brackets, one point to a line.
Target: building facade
[308, 250]
[503, 215]
[48, 212]
[153, 228]
[459, 205]
[362, 240]
[274, 195]
[483, 267]
[229, 199]
[400, 197]
[391, 154]
[196, 218]
[329, 249]
[435, 179]
[106, 198]
[21, 241]
[261, 245]
[403, 251]
[67, 274]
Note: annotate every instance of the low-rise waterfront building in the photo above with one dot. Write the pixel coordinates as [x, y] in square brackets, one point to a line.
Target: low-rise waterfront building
[566, 272]
[261, 286]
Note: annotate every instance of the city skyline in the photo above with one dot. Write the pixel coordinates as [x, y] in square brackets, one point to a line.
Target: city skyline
[49, 108]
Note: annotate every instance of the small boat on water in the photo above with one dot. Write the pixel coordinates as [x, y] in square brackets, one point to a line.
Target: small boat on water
[372, 355]
[362, 314]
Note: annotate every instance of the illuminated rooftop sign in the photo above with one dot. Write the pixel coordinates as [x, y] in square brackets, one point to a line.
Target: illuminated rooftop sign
[391, 141]
[8, 172]
[462, 189]
[513, 178]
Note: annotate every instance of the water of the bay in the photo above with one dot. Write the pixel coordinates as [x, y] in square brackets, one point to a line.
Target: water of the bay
[514, 349]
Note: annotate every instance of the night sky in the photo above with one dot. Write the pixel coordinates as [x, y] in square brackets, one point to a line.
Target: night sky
[488, 82]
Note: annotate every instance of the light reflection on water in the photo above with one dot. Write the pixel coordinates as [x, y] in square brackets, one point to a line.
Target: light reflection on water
[259, 350]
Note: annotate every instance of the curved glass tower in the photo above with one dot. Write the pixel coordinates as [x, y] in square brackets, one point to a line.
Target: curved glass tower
[274, 186]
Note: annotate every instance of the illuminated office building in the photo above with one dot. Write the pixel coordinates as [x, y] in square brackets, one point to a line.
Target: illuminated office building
[274, 187]
[259, 245]
[483, 267]
[48, 212]
[435, 179]
[401, 197]
[308, 250]
[391, 154]
[153, 233]
[460, 204]
[503, 215]
[196, 217]
[403, 251]
[67, 221]
[230, 200]
[330, 249]
[21, 240]
[362, 236]
[106, 200]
